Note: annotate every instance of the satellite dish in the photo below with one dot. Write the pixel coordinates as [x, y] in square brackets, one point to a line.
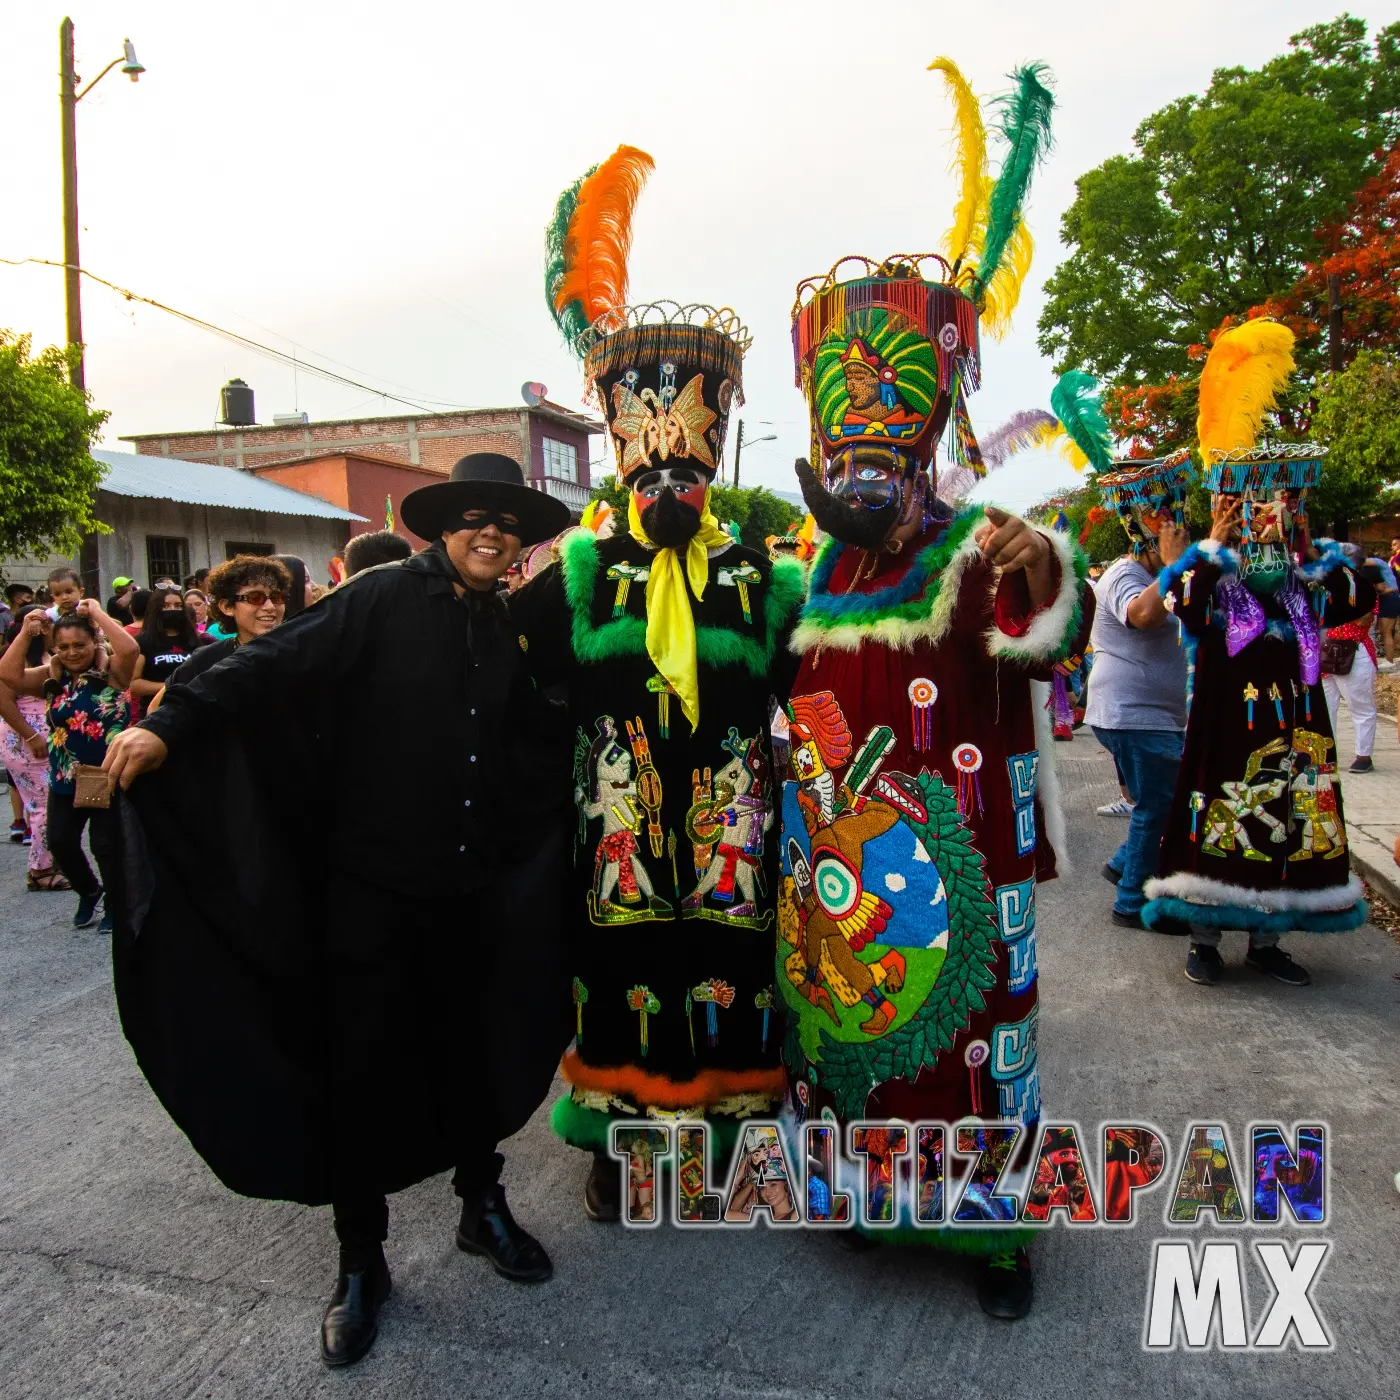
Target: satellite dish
[533, 393]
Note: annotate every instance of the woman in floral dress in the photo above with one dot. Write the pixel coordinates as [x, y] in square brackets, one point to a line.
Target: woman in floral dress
[85, 707]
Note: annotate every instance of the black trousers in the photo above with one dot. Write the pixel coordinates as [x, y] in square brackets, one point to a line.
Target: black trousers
[362, 1223]
[65, 838]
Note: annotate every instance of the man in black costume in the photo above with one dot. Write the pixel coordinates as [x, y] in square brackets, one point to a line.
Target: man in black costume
[346, 1010]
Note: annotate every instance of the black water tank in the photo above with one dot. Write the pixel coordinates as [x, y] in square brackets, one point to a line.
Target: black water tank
[236, 405]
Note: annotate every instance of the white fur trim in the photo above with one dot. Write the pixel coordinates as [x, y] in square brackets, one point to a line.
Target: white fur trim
[1047, 776]
[1044, 639]
[1201, 889]
[897, 633]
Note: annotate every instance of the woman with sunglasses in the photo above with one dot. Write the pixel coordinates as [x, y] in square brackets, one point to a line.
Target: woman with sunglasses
[248, 594]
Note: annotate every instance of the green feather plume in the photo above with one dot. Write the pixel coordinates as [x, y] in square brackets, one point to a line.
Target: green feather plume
[1024, 125]
[571, 319]
[1080, 411]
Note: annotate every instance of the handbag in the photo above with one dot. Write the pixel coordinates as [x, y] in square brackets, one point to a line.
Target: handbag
[1338, 656]
[92, 787]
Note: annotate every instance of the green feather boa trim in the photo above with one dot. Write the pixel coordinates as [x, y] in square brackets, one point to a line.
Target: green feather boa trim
[714, 646]
[958, 1239]
[919, 608]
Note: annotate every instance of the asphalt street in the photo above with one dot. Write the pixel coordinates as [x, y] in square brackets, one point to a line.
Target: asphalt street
[129, 1271]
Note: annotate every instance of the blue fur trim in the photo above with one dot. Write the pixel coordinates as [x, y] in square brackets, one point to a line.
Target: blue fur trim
[1222, 557]
[830, 608]
[1333, 557]
[1241, 916]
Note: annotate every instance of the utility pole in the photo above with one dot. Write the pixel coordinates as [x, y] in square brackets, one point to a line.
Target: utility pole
[739, 447]
[72, 279]
[68, 99]
[1334, 322]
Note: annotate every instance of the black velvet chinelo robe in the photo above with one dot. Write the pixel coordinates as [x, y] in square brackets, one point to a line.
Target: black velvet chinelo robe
[675, 837]
[1256, 835]
[341, 968]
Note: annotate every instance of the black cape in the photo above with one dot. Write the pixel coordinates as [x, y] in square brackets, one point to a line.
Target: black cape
[339, 956]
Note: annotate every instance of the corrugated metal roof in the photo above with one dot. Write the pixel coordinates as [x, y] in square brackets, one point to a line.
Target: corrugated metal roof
[203, 484]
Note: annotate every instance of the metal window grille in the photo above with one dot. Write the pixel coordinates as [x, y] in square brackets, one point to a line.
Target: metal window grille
[167, 556]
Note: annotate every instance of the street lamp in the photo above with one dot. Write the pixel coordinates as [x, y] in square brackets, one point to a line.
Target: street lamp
[69, 96]
[739, 447]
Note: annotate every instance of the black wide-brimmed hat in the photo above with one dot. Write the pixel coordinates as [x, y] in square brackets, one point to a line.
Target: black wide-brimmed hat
[483, 481]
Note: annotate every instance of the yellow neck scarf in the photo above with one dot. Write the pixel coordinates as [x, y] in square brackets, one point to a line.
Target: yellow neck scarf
[670, 623]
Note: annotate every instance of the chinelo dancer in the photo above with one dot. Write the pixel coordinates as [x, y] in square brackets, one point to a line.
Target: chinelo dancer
[1256, 836]
[913, 831]
[670, 641]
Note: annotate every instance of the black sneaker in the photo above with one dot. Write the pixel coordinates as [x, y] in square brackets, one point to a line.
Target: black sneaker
[1111, 875]
[1127, 920]
[1362, 765]
[106, 925]
[87, 910]
[1203, 964]
[1277, 964]
[1006, 1286]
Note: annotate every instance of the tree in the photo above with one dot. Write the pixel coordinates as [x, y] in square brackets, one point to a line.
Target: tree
[1217, 209]
[754, 509]
[1358, 417]
[48, 478]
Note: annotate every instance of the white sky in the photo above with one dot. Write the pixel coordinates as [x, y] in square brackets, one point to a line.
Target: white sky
[370, 181]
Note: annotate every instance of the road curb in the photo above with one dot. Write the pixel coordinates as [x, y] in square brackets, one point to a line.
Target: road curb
[1382, 878]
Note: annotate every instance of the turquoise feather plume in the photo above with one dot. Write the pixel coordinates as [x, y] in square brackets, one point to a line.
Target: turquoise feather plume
[1024, 125]
[571, 319]
[1078, 407]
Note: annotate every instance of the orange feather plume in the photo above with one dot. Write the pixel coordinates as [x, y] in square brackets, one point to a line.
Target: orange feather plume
[599, 235]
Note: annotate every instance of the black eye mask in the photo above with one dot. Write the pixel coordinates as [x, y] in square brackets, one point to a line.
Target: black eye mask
[492, 517]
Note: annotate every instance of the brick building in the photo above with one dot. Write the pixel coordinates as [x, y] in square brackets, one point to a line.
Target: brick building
[356, 482]
[549, 441]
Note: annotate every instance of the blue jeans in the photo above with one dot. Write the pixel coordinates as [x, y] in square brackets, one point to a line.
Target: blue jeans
[1147, 759]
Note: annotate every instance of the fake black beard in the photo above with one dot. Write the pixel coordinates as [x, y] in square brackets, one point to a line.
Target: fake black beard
[849, 523]
[669, 522]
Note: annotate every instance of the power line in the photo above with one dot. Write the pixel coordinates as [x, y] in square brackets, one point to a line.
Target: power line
[292, 361]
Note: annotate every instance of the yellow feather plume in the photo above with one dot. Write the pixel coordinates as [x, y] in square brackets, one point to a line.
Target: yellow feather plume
[1056, 439]
[1004, 291]
[969, 161]
[1245, 370]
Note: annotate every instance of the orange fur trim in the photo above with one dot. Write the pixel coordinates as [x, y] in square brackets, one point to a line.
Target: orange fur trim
[599, 237]
[656, 1091]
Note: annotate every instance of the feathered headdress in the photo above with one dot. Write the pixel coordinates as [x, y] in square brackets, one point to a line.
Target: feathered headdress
[588, 240]
[988, 239]
[1080, 413]
[1245, 371]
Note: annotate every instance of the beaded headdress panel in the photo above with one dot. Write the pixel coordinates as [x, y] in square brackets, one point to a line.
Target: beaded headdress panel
[887, 351]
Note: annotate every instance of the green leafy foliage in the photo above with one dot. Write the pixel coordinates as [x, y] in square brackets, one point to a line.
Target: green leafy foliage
[754, 509]
[1217, 209]
[48, 479]
[1358, 417]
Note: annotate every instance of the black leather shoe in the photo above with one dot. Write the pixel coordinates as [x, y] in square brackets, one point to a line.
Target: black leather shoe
[1111, 874]
[1127, 920]
[1006, 1286]
[488, 1228]
[351, 1322]
[602, 1192]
